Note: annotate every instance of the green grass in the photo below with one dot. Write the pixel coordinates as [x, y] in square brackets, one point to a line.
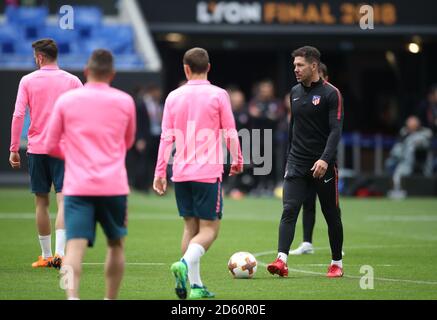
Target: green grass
[398, 239]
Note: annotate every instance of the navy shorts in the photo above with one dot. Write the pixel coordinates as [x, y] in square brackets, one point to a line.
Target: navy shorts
[82, 214]
[45, 171]
[199, 200]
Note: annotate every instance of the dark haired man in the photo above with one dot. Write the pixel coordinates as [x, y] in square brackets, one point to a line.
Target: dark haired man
[39, 91]
[315, 131]
[98, 125]
[195, 117]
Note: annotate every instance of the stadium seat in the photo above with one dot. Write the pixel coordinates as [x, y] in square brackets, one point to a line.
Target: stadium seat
[29, 19]
[66, 39]
[16, 61]
[87, 18]
[8, 37]
[73, 61]
[119, 37]
[113, 45]
[24, 48]
[26, 24]
[131, 62]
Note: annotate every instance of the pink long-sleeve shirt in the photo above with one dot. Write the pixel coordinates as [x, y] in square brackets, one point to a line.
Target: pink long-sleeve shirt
[97, 123]
[39, 91]
[198, 118]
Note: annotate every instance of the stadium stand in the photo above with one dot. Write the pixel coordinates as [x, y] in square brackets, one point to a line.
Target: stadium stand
[22, 25]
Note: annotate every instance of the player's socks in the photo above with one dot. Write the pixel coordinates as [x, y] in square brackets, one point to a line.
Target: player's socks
[192, 258]
[73, 298]
[338, 263]
[46, 246]
[60, 242]
[283, 256]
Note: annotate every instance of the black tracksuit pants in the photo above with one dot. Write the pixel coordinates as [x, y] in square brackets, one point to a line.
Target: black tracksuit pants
[298, 183]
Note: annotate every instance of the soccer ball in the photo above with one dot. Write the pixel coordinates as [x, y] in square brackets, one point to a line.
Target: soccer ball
[242, 265]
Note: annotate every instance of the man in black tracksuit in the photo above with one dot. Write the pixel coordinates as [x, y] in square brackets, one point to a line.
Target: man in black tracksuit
[315, 131]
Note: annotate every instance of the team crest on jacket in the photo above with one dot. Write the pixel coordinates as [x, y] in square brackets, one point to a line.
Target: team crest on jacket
[316, 100]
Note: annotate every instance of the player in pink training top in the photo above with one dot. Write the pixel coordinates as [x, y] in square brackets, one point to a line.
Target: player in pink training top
[97, 123]
[39, 91]
[197, 116]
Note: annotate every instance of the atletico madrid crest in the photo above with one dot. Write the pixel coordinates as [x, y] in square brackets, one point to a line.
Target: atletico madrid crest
[316, 100]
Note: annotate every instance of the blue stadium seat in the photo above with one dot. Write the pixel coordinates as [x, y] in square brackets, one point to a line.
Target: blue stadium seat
[24, 48]
[131, 62]
[14, 61]
[8, 37]
[65, 39]
[26, 24]
[119, 37]
[73, 61]
[87, 18]
[30, 19]
[110, 44]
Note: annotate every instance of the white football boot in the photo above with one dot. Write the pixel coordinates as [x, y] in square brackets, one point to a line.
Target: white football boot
[304, 248]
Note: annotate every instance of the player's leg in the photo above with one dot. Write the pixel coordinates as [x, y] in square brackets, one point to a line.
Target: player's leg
[309, 216]
[42, 203]
[40, 184]
[207, 207]
[191, 229]
[80, 223]
[114, 267]
[72, 266]
[60, 233]
[184, 201]
[56, 167]
[327, 190]
[111, 213]
[308, 222]
[294, 193]
[208, 233]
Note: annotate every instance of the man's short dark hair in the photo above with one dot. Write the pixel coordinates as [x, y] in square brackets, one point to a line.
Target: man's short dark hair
[46, 47]
[101, 63]
[323, 69]
[197, 59]
[311, 54]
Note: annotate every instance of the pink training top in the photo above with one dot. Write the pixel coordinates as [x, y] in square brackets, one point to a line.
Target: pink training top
[39, 91]
[197, 117]
[97, 123]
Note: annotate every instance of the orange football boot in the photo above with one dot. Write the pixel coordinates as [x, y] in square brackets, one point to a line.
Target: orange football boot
[43, 263]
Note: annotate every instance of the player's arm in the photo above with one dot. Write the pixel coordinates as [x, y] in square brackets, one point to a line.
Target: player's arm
[164, 153]
[336, 114]
[290, 129]
[55, 131]
[227, 123]
[132, 125]
[17, 124]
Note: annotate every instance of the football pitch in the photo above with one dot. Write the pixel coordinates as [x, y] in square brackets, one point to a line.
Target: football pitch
[397, 239]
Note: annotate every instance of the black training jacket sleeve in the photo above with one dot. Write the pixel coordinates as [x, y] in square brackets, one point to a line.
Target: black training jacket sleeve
[290, 129]
[336, 115]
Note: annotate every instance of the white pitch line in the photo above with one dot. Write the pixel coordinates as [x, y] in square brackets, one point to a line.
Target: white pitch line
[376, 246]
[355, 277]
[345, 264]
[128, 263]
